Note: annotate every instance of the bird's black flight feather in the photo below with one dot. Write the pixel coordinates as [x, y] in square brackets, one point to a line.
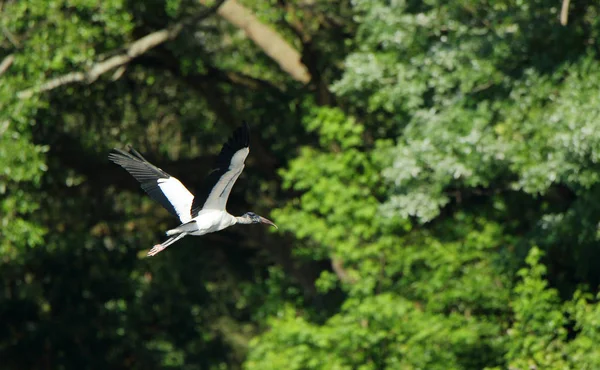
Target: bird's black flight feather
[239, 139]
[145, 172]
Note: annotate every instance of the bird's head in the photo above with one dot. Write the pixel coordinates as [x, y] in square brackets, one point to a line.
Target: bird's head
[253, 218]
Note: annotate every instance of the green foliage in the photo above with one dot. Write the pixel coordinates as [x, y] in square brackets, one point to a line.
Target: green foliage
[381, 331]
[21, 168]
[494, 151]
[538, 333]
[585, 312]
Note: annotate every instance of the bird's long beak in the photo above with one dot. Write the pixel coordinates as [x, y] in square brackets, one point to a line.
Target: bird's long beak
[267, 221]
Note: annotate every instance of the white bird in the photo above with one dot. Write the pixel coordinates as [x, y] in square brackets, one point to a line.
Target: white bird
[197, 216]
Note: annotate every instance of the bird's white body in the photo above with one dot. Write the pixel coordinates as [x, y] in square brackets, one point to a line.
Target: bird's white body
[207, 221]
[211, 220]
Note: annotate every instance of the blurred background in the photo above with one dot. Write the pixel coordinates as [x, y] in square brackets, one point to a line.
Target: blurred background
[433, 168]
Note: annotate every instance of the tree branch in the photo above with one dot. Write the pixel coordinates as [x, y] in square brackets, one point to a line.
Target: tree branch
[13, 40]
[564, 12]
[6, 62]
[133, 51]
[338, 267]
[288, 58]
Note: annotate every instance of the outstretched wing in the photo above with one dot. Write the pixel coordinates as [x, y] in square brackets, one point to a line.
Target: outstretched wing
[229, 166]
[160, 186]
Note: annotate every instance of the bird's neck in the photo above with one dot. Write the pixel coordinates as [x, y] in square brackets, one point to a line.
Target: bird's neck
[243, 220]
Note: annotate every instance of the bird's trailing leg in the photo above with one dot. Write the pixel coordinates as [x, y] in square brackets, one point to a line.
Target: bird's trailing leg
[159, 247]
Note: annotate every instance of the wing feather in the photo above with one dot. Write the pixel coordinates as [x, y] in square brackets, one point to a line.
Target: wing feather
[159, 185]
[228, 167]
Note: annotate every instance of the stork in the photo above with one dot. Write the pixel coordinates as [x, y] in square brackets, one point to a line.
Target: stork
[198, 216]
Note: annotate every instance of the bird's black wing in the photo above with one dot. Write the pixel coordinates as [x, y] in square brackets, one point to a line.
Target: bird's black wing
[228, 167]
[160, 186]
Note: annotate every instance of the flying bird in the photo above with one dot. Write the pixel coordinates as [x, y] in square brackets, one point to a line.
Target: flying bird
[198, 215]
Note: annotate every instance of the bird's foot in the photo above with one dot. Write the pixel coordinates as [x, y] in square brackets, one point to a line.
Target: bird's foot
[154, 251]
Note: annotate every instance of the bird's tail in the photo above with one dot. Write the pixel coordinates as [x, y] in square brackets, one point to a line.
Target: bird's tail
[187, 227]
[173, 232]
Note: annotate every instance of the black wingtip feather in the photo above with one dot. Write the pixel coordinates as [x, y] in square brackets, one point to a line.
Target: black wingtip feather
[239, 139]
[137, 165]
[144, 172]
[136, 154]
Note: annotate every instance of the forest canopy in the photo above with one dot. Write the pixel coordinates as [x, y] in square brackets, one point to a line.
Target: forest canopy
[433, 168]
